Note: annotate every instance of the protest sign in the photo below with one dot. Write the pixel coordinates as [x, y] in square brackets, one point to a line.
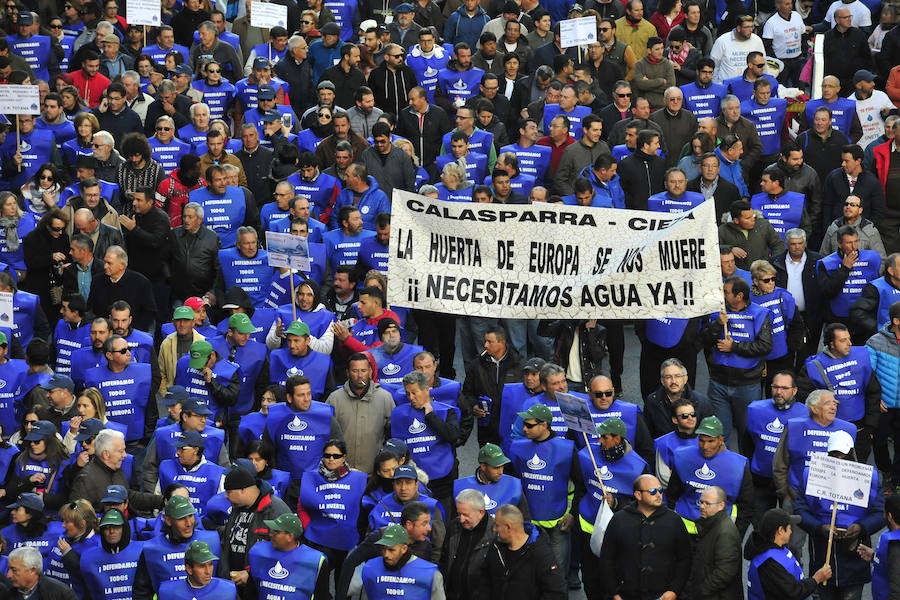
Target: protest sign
[575, 32]
[576, 413]
[6, 309]
[143, 12]
[20, 100]
[551, 261]
[286, 250]
[268, 15]
[843, 481]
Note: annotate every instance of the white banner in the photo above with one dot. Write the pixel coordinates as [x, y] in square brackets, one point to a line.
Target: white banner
[288, 251]
[842, 481]
[268, 15]
[143, 12]
[550, 261]
[6, 310]
[576, 413]
[20, 100]
[575, 32]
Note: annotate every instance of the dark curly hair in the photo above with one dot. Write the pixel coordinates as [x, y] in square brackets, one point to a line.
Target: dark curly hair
[135, 143]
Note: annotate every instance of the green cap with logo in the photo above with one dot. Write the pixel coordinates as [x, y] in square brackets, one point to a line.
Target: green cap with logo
[297, 328]
[179, 507]
[287, 522]
[492, 455]
[539, 412]
[393, 535]
[3, 340]
[183, 312]
[112, 517]
[612, 426]
[710, 426]
[200, 351]
[198, 553]
[241, 323]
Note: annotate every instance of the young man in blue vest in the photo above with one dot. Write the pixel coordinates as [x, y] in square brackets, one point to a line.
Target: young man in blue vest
[783, 208]
[397, 572]
[553, 380]
[298, 358]
[710, 463]
[736, 344]
[140, 342]
[489, 479]
[113, 563]
[843, 273]
[72, 332]
[870, 312]
[225, 206]
[846, 371]
[685, 419]
[199, 584]
[392, 357]
[13, 372]
[209, 377]
[202, 478]
[393, 507]
[282, 568]
[342, 244]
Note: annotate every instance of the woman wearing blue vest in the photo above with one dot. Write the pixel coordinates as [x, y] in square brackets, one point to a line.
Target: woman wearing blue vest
[330, 525]
[16, 225]
[90, 405]
[787, 324]
[38, 468]
[252, 424]
[30, 526]
[379, 484]
[64, 561]
[262, 455]
[774, 572]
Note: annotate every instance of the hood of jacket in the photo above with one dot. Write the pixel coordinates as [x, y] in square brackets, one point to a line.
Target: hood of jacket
[237, 295]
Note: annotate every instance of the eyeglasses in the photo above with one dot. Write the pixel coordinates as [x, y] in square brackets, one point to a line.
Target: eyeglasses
[686, 416]
[623, 95]
[333, 456]
[705, 503]
[34, 442]
[124, 350]
[604, 394]
[603, 29]
[530, 425]
[164, 129]
[852, 204]
[767, 279]
[652, 491]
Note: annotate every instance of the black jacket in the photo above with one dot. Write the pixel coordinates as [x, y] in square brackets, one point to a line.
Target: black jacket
[194, 260]
[845, 53]
[822, 155]
[864, 310]
[831, 284]
[267, 507]
[47, 589]
[299, 77]
[132, 287]
[146, 244]
[611, 116]
[711, 332]
[641, 176]
[256, 167]
[836, 189]
[812, 291]
[70, 276]
[427, 142]
[530, 574]
[125, 122]
[657, 411]
[776, 581]
[345, 83]
[643, 557]
[725, 195]
[391, 88]
[486, 378]
[181, 116]
[592, 344]
[464, 554]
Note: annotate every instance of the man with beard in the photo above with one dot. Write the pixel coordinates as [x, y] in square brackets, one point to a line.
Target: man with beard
[459, 80]
[396, 568]
[392, 357]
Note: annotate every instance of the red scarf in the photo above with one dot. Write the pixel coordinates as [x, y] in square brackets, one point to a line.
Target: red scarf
[681, 56]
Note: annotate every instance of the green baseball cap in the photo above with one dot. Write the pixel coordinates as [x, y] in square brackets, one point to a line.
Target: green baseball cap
[287, 522]
[393, 535]
[198, 553]
[492, 455]
[539, 412]
[112, 517]
[612, 426]
[241, 323]
[297, 328]
[179, 507]
[3, 341]
[710, 426]
[200, 351]
[183, 312]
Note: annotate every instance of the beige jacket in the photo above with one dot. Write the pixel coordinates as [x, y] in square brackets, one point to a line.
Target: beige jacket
[364, 422]
[168, 358]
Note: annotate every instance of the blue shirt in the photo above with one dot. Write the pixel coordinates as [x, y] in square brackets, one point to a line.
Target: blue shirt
[85, 276]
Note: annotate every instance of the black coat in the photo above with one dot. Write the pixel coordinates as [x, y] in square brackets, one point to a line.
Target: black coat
[257, 167]
[726, 194]
[39, 247]
[47, 589]
[485, 378]
[812, 292]
[181, 116]
[194, 260]
[836, 189]
[122, 123]
[427, 142]
[299, 77]
[845, 53]
[641, 176]
[592, 344]
[132, 287]
[611, 116]
[472, 556]
[70, 276]
[658, 415]
[533, 575]
[391, 88]
[146, 244]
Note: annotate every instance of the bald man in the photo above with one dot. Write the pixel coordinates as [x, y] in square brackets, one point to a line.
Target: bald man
[101, 234]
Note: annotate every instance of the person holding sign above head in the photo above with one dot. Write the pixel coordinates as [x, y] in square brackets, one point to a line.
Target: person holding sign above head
[853, 522]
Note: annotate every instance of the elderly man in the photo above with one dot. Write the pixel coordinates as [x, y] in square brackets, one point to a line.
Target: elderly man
[25, 574]
[466, 547]
[716, 567]
[678, 124]
[122, 283]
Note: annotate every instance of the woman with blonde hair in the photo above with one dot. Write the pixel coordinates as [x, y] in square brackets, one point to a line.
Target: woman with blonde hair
[15, 224]
[86, 125]
[788, 332]
[454, 187]
[81, 524]
[421, 174]
[90, 404]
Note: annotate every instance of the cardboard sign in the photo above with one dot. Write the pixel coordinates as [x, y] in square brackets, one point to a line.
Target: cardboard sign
[576, 412]
[842, 481]
[143, 12]
[286, 250]
[267, 15]
[576, 32]
[20, 100]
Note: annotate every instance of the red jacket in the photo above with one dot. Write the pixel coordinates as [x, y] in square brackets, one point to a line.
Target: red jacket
[172, 195]
[91, 90]
[883, 161]
[354, 345]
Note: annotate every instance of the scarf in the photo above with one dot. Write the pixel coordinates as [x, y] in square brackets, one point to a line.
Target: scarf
[652, 60]
[634, 24]
[10, 226]
[332, 476]
[615, 453]
[681, 56]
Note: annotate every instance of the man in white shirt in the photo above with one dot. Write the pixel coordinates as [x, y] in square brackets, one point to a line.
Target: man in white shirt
[731, 49]
[862, 16]
[782, 35]
[871, 106]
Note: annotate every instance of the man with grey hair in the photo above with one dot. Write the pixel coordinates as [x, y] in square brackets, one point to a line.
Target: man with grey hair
[85, 221]
[244, 265]
[677, 123]
[468, 541]
[296, 70]
[165, 148]
[168, 102]
[107, 157]
[223, 53]
[795, 271]
[121, 283]
[731, 121]
[194, 256]
[25, 573]
[134, 97]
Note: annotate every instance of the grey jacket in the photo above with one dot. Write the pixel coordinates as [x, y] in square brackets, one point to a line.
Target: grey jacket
[365, 422]
[361, 123]
[395, 170]
[869, 238]
[575, 158]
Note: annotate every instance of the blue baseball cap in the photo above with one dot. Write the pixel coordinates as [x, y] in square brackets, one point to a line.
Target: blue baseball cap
[174, 395]
[195, 406]
[40, 430]
[261, 62]
[266, 92]
[405, 472]
[397, 446]
[59, 381]
[270, 116]
[190, 438]
[28, 500]
[115, 494]
[89, 428]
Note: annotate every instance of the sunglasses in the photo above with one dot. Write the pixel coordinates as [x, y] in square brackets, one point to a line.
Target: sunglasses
[851, 204]
[759, 65]
[306, 22]
[213, 71]
[124, 350]
[623, 95]
[530, 425]
[31, 422]
[604, 394]
[653, 491]
[332, 456]
[687, 416]
[164, 129]
[601, 29]
[55, 26]
[323, 115]
[56, 229]
[396, 55]
[767, 279]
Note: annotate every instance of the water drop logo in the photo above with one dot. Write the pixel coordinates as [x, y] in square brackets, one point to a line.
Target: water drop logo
[391, 369]
[294, 371]
[459, 85]
[417, 426]
[278, 571]
[297, 424]
[489, 503]
[775, 426]
[24, 146]
[605, 473]
[858, 494]
[430, 71]
[2, 384]
[535, 463]
[705, 473]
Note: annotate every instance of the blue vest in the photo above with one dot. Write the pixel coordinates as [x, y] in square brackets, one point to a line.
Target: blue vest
[219, 98]
[159, 54]
[427, 69]
[254, 117]
[167, 436]
[387, 510]
[848, 377]
[373, 255]
[703, 102]
[36, 149]
[463, 195]
[318, 321]
[887, 295]
[333, 508]
[545, 468]
[512, 399]
[110, 576]
[618, 479]
[195, 384]
[768, 120]
[270, 213]
[251, 427]
[533, 160]
[343, 249]
[169, 155]
[216, 589]
[842, 112]
[299, 437]
[15, 538]
[784, 212]
[269, 51]
[458, 85]
[765, 423]
[285, 575]
[864, 271]
[743, 89]
[165, 560]
[663, 202]
[847, 514]
[781, 306]
[83, 360]
[24, 309]
[308, 141]
[62, 132]
[202, 482]
[558, 425]
[881, 587]
[16, 258]
[344, 12]
[412, 581]
[126, 395]
[447, 392]
[222, 213]
[262, 319]
[506, 491]
[432, 454]
[314, 365]
[725, 469]
[480, 142]
[576, 116]
[667, 444]
[12, 378]
[365, 332]
[805, 437]
[251, 357]
[192, 137]
[67, 340]
[666, 333]
[743, 326]
[783, 557]
[476, 164]
[141, 344]
[54, 567]
[392, 368]
[626, 411]
[35, 49]
[316, 228]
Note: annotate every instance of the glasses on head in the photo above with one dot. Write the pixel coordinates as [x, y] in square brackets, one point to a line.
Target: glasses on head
[531, 425]
[852, 204]
[332, 456]
[653, 491]
[767, 279]
[628, 95]
[124, 350]
[164, 129]
[686, 416]
[604, 394]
